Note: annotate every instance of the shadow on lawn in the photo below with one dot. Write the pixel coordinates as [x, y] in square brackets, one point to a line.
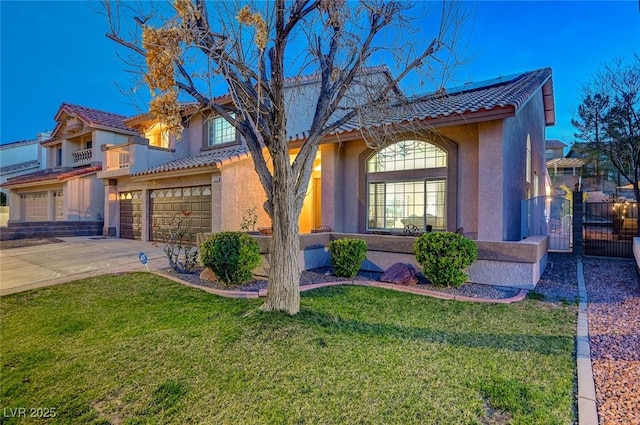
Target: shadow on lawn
[338, 323]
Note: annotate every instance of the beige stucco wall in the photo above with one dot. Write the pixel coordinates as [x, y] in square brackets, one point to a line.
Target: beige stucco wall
[240, 189]
[83, 198]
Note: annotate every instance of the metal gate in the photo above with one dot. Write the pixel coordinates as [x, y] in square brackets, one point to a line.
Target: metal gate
[552, 216]
[609, 228]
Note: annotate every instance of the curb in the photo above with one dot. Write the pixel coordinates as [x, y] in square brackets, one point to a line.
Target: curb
[587, 410]
[409, 289]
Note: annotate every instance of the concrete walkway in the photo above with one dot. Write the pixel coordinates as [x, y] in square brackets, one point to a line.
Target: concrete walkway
[22, 269]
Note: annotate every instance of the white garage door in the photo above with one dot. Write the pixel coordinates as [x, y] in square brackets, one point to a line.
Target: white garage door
[33, 206]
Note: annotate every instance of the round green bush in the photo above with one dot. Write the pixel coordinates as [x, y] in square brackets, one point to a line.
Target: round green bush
[347, 256]
[444, 255]
[232, 256]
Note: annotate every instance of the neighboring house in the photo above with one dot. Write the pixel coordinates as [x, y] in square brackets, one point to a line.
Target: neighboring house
[472, 155]
[554, 149]
[16, 159]
[21, 157]
[67, 188]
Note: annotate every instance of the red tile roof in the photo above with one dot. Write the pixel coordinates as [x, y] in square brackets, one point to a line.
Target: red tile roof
[93, 117]
[216, 158]
[47, 175]
[508, 92]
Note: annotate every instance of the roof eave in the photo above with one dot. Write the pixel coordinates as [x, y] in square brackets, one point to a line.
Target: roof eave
[197, 169]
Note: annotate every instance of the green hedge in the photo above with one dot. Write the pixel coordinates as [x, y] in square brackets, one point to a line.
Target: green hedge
[347, 256]
[232, 256]
[444, 255]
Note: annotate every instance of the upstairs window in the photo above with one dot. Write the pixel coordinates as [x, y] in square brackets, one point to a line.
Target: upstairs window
[219, 131]
[58, 156]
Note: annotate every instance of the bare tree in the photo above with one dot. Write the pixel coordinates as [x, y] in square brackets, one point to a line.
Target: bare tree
[608, 119]
[251, 49]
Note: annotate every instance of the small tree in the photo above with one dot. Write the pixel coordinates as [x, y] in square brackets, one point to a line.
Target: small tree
[179, 242]
[608, 119]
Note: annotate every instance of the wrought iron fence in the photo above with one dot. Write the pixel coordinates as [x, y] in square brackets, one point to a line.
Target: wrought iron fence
[609, 228]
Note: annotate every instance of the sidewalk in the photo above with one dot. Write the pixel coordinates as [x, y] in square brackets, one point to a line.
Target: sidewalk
[22, 269]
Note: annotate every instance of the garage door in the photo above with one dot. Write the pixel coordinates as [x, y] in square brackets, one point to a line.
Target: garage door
[166, 204]
[131, 214]
[58, 206]
[33, 206]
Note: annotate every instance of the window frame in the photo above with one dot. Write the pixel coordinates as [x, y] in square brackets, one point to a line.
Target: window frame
[210, 125]
[423, 175]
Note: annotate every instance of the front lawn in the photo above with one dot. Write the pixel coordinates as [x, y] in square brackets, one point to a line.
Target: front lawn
[138, 349]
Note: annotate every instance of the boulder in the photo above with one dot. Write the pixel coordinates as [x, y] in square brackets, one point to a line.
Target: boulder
[400, 274]
[207, 274]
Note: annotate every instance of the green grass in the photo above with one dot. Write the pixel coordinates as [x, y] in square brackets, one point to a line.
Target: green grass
[134, 349]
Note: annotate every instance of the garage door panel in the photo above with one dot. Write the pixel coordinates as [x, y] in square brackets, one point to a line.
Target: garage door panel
[166, 203]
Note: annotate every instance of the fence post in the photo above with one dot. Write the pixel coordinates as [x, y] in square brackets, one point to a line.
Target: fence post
[578, 216]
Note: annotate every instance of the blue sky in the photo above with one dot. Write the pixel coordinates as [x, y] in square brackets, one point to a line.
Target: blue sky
[53, 52]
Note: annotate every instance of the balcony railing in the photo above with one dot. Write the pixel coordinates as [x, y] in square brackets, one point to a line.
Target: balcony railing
[118, 159]
[82, 157]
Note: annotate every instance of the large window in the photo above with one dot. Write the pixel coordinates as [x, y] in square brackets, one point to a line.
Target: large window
[219, 131]
[407, 186]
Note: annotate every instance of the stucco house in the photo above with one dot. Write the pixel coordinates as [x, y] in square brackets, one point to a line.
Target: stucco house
[16, 159]
[67, 189]
[467, 160]
[470, 158]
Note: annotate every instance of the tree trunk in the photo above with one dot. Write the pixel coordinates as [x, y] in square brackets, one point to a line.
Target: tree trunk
[283, 290]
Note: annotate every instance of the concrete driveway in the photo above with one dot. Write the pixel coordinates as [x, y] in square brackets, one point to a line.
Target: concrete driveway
[33, 267]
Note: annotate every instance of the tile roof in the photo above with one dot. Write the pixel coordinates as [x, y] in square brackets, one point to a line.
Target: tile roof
[47, 175]
[18, 143]
[93, 117]
[554, 143]
[216, 158]
[20, 166]
[511, 91]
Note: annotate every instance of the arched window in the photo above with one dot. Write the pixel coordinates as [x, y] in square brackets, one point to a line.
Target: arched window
[407, 155]
[407, 186]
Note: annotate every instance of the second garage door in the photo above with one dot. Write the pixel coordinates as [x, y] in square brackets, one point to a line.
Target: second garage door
[131, 214]
[165, 204]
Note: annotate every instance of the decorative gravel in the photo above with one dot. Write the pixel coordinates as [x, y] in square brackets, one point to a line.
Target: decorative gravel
[559, 282]
[323, 274]
[613, 291]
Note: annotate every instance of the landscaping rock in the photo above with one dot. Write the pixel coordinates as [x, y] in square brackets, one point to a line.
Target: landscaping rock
[208, 275]
[400, 274]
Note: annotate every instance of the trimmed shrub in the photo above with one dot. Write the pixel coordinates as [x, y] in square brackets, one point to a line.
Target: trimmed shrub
[347, 256]
[444, 255]
[232, 256]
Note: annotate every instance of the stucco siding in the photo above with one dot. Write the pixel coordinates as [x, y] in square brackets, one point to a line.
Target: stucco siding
[490, 181]
[241, 190]
[527, 124]
[466, 137]
[83, 198]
